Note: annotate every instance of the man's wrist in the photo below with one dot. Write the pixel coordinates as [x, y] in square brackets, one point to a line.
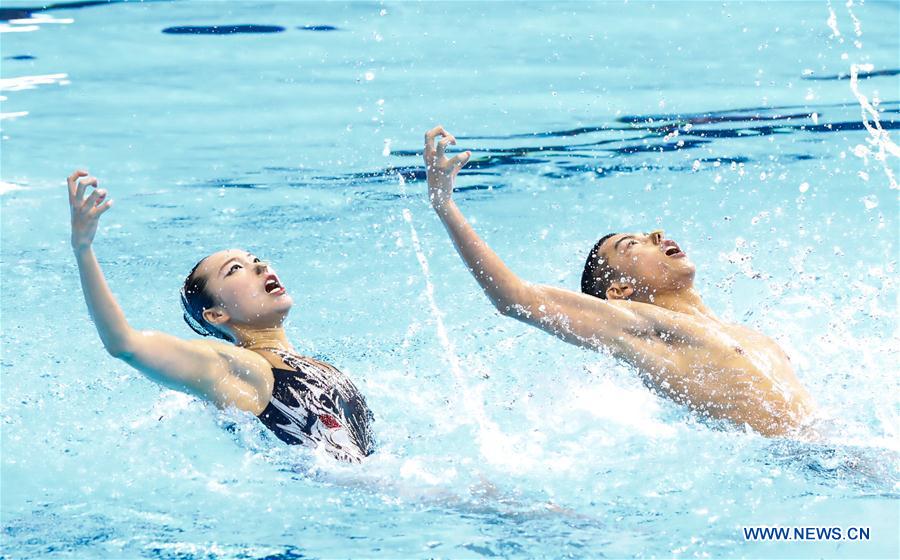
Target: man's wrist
[439, 201]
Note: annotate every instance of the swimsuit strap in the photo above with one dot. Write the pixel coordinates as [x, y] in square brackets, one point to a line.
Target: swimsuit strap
[282, 353]
[302, 363]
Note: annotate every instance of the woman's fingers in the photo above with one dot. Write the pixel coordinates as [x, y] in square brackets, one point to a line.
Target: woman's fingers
[94, 198]
[82, 186]
[72, 182]
[101, 208]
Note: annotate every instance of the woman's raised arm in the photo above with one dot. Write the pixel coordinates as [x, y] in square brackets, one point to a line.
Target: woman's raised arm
[201, 367]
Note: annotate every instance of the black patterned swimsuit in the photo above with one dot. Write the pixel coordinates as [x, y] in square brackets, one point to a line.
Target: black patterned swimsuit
[315, 404]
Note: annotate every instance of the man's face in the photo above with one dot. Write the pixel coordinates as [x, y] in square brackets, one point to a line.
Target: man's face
[648, 262]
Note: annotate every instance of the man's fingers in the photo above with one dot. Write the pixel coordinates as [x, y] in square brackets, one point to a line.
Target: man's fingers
[431, 134]
[429, 141]
[72, 179]
[443, 143]
[95, 197]
[82, 186]
[460, 160]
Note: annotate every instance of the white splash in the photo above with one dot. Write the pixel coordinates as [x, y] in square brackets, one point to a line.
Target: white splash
[170, 403]
[832, 23]
[496, 446]
[879, 138]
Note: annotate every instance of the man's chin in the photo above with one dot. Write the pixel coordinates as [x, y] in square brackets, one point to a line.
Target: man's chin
[679, 270]
[683, 275]
[690, 272]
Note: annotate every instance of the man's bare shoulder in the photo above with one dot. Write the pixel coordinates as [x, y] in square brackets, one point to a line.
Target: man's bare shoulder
[671, 326]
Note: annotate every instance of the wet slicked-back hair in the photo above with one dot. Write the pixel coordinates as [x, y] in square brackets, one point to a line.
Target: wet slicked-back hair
[195, 299]
[597, 275]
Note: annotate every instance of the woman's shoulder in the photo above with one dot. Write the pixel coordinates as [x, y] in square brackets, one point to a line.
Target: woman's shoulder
[237, 355]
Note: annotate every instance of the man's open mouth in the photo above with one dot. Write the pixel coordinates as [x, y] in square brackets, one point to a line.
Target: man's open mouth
[671, 249]
[273, 286]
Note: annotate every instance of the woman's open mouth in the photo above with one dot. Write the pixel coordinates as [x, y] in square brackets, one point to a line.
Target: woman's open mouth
[273, 286]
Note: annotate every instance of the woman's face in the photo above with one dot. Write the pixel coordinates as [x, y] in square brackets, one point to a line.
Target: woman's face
[246, 289]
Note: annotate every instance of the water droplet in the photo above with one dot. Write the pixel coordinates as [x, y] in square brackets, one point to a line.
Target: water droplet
[860, 151]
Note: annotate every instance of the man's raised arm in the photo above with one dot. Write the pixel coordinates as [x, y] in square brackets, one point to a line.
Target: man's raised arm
[501, 286]
[576, 318]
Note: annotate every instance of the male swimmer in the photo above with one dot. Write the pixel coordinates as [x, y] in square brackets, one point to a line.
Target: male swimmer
[638, 303]
[233, 296]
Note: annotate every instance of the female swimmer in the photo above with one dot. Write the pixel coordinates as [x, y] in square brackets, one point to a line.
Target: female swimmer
[238, 302]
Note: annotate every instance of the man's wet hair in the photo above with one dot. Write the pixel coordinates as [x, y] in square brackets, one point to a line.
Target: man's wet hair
[195, 299]
[597, 275]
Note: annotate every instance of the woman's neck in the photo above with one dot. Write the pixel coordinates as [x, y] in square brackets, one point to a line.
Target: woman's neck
[256, 339]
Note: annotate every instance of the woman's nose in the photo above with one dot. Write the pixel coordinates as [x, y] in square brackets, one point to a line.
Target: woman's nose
[262, 266]
[656, 236]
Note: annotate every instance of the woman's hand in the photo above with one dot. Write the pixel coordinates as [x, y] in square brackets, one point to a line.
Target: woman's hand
[85, 211]
[440, 170]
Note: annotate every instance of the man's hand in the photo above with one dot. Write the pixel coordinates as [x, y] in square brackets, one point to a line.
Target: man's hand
[86, 211]
[440, 170]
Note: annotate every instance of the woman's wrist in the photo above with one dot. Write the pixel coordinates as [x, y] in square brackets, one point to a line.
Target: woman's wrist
[81, 250]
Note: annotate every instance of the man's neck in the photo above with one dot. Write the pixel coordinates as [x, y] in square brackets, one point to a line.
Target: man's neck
[255, 339]
[686, 301]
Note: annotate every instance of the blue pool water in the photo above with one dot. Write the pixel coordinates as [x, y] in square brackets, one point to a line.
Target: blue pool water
[736, 127]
